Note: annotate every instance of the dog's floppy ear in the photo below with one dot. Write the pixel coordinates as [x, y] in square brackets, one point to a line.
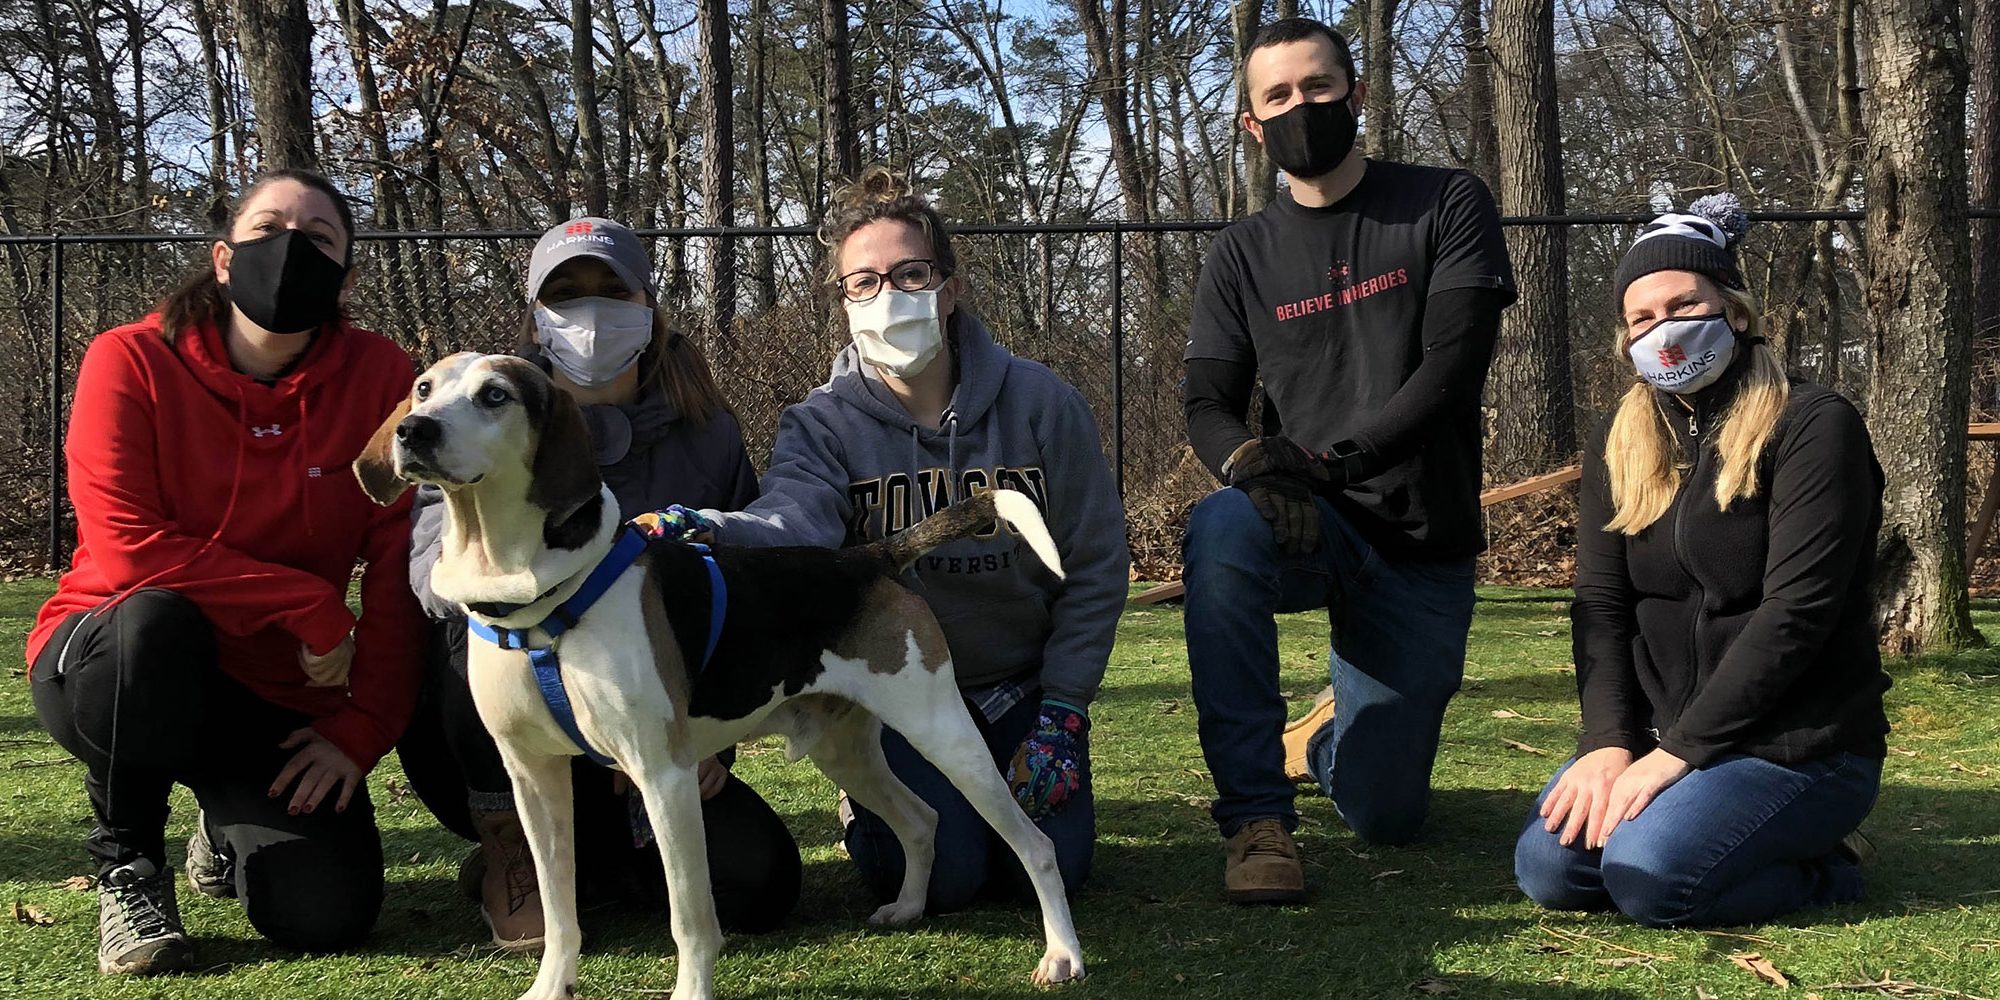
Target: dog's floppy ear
[376, 467]
[565, 469]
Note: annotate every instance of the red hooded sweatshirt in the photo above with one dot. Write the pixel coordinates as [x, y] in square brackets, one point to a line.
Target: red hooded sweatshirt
[190, 476]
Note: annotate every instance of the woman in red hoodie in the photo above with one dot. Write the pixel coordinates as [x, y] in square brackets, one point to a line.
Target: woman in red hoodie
[202, 633]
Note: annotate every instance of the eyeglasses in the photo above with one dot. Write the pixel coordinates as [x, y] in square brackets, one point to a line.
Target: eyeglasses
[908, 275]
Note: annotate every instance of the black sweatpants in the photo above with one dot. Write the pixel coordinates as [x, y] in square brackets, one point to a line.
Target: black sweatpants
[135, 693]
[454, 766]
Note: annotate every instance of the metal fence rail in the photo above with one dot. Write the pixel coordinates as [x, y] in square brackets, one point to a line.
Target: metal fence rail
[56, 242]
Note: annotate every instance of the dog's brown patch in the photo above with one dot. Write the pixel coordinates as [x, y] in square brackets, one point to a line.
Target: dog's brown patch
[880, 634]
[375, 467]
[666, 648]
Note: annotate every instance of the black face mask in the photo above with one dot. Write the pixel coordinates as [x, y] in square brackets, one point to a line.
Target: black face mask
[284, 282]
[1311, 139]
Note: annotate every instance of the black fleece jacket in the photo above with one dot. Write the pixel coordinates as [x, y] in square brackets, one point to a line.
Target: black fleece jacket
[1746, 631]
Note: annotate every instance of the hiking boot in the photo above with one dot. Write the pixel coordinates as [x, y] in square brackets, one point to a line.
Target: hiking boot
[472, 875]
[1263, 865]
[1856, 847]
[209, 871]
[139, 922]
[508, 897]
[1300, 733]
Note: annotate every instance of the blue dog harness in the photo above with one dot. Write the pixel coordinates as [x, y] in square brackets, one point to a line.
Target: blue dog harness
[548, 670]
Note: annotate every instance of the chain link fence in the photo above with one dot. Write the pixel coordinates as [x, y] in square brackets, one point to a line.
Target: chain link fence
[1106, 306]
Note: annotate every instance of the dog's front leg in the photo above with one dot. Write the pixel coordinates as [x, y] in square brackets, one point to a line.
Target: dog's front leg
[673, 801]
[542, 793]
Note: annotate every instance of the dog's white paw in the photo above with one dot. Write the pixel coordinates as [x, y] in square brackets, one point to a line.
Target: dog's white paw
[1058, 966]
[896, 914]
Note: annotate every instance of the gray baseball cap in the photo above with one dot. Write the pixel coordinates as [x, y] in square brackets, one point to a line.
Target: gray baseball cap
[603, 239]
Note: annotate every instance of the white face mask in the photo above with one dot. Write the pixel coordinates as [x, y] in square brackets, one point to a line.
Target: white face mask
[1682, 354]
[593, 340]
[897, 331]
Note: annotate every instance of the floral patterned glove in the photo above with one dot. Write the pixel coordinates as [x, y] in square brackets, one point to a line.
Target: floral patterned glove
[675, 524]
[1048, 769]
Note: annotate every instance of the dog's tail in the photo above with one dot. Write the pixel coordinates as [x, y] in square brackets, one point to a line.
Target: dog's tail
[971, 515]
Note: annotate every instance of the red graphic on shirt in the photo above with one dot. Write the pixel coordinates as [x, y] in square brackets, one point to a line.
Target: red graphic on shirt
[577, 229]
[1672, 356]
[1339, 273]
[1347, 295]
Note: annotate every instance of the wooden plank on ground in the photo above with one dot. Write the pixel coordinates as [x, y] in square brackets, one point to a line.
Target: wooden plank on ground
[1533, 484]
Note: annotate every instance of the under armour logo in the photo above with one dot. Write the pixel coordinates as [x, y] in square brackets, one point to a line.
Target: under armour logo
[577, 229]
[1673, 355]
[312, 473]
[272, 431]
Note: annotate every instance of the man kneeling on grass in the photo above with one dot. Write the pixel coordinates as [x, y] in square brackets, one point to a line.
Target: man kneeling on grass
[1368, 298]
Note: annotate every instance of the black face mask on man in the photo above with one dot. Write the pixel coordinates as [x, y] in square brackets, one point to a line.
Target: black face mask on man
[284, 282]
[1311, 138]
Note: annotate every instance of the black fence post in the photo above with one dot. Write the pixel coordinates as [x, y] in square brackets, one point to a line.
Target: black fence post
[55, 549]
[1118, 358]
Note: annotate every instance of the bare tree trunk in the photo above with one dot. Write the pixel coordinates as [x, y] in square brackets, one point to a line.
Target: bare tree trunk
[1107, 68]
[1482, 140]
[1918, 301]
[589, 127]
[718, 156]
[218, 119]
[763, 268]
[1378, 67]
[837, 75]
[276, 40]
[1536, 429]
[1986, 194]
[389, 195]
[1260, 176]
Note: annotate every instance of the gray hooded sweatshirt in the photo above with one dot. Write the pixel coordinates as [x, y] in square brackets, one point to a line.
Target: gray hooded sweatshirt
[850, 466]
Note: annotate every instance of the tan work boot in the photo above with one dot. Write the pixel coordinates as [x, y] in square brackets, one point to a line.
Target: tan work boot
[508, 898]
[1263, 865]
[1298, 734]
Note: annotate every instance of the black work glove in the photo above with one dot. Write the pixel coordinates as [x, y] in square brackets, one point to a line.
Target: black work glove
[1281, 478]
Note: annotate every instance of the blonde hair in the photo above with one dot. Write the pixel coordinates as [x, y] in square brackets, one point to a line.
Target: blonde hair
[1642, 456]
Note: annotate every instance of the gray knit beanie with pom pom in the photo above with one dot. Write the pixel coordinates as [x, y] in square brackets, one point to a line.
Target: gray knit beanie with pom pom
[1702, 240]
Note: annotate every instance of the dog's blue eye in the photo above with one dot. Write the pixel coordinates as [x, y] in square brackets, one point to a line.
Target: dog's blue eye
[493, 395]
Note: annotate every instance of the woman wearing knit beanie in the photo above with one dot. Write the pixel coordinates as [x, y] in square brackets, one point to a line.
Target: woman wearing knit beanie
[1733, 730]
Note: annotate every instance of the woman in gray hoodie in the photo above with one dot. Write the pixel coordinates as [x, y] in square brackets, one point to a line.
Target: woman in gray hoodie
[923, 409]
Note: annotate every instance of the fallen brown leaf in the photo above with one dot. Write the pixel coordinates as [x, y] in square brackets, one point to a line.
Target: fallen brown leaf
[1524, 748]
[1508, 713]
[1622, 961]
[1434, 986]
[1761, 967]
[79, 883]
[1702, 994]
[31, 915]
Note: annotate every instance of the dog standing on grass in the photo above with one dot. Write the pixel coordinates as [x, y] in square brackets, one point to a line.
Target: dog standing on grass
[820, 645]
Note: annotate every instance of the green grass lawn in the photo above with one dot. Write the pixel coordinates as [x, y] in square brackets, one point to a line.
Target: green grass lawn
[1439, 917]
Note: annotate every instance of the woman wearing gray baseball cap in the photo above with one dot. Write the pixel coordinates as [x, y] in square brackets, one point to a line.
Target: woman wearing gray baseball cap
[663, 436]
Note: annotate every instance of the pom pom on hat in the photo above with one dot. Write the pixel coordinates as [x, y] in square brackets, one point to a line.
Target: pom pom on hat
[1726, 211]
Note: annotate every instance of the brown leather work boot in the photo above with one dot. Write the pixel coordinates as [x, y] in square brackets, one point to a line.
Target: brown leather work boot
[1298, 734]
[1263, 865]
[508, 897]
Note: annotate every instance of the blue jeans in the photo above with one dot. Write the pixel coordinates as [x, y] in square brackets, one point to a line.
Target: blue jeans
[970, 856]
[1398, 655]
[1737, 842]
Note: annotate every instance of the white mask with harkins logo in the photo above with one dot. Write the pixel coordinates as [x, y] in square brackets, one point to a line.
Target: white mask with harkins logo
[1682, 354]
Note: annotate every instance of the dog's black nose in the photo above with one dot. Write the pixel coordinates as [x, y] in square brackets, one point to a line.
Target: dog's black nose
[419, 431]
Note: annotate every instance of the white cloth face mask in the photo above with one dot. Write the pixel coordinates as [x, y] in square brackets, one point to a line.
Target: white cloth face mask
[593, 340]
[1682, 354]
[897, 331]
